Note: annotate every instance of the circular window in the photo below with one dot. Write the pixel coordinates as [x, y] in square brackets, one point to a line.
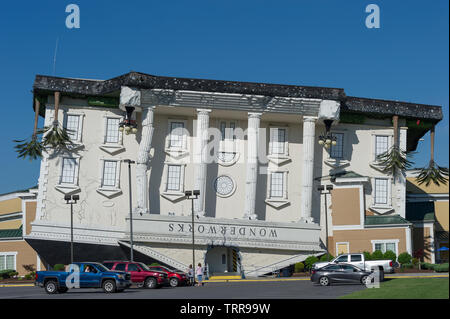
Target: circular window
[224, 186]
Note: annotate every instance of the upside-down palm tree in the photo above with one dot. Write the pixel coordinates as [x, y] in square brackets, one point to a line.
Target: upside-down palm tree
[53, 137]
[433, 172]
[394, 161]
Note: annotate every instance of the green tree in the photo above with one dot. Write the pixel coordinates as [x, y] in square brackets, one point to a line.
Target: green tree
[377, 255]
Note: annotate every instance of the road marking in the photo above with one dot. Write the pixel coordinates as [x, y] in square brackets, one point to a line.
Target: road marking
[14, 285]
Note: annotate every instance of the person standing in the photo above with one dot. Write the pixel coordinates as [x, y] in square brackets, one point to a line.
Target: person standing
[199, 272]
[191, 276]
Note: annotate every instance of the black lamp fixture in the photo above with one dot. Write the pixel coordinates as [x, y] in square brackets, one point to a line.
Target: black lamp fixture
[327, 139]
[128, 125]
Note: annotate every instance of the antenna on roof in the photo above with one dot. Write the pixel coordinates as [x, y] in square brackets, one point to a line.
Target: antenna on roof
[54, 57]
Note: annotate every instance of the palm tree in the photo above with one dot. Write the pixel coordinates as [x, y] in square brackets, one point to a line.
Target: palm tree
[53, 137]
[394, 161]
[433, 173]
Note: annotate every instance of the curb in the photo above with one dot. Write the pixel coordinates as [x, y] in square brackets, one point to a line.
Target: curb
[17, 285]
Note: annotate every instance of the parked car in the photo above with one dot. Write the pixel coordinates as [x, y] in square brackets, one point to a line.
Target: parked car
[140, 273]
[358, 260]
[91, 275]
[334, 273]
[176, 278]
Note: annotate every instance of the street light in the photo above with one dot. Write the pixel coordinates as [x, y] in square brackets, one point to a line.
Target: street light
[321, 189]
[131, 205]
[192, 195]
[71, 199]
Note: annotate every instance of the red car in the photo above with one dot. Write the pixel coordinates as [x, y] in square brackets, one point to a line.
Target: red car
[176, 278]
[140, 273]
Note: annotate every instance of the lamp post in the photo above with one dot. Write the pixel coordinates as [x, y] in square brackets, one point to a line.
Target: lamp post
[192, 195]
[71, 199]
[322, 189]
[131, 206]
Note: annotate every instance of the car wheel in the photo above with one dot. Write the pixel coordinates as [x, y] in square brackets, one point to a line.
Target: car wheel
[51, 287]
[150, 283]
[173, 282]
[109, 286]
[324, 281]
[366, 280]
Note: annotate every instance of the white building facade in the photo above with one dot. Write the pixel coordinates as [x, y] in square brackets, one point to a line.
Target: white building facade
[251, 150]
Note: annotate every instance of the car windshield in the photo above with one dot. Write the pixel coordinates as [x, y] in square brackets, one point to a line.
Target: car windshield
[101, 267]
[144, 266]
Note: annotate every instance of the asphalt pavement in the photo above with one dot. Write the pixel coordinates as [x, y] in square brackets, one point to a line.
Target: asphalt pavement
[299, 289]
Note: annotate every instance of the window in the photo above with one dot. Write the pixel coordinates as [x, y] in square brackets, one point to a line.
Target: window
[381, 191]
[348, 268]
[277, 141]
[337, 151]
[355, 258]
[120, 267]
[332, 268]
[277, 185]
[176, 137]
[73, 126]
[69, 166]
[381, 144]
[112, 130]
[109, 173]
[383, 247]
[342, 259]
[227, 131]
[7, 261]
[173, 177]
[108, 265]
[133, 267]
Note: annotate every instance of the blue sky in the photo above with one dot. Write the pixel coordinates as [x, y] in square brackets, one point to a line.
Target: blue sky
[316, 43]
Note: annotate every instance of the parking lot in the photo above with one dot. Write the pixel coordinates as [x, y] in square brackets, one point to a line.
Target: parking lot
[292, 289]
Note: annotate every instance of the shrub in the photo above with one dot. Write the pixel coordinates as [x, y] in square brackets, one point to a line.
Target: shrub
[415, 261]
[367, 255]
[310, 261]
[324, 257]
[8, 273]
[407, 266]
[59, 267]
[427, 266]
[28, 276]
[299, 267]
[441, 268]
[390, 255]
[377, 255]
[404, 258]
[154, 264]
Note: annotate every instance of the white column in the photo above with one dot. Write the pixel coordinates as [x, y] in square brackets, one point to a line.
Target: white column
[309, 127]
[254, 120]
[400, 185]
[200, 159]
[143, 159]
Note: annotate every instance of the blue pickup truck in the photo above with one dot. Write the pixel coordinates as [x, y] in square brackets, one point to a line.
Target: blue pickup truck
[83, 275]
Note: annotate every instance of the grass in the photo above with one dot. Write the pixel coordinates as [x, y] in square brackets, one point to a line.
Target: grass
[405, 288]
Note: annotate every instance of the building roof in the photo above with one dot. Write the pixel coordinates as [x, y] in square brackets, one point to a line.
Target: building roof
[420, 211]
[11, 233]
[385, 220]
[413, 187]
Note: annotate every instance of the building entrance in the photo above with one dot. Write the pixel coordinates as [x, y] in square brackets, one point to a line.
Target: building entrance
[222, 259]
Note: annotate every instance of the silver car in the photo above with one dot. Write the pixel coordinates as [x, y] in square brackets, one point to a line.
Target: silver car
[335, 273]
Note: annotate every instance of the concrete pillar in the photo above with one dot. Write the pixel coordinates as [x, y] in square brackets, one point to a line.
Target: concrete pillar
[143, 161]
[254, 120]
[200, 159]
[309, 127]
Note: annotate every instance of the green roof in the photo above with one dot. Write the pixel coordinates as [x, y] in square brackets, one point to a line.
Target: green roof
[385, 220]
[11, 233]
[420, 211]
